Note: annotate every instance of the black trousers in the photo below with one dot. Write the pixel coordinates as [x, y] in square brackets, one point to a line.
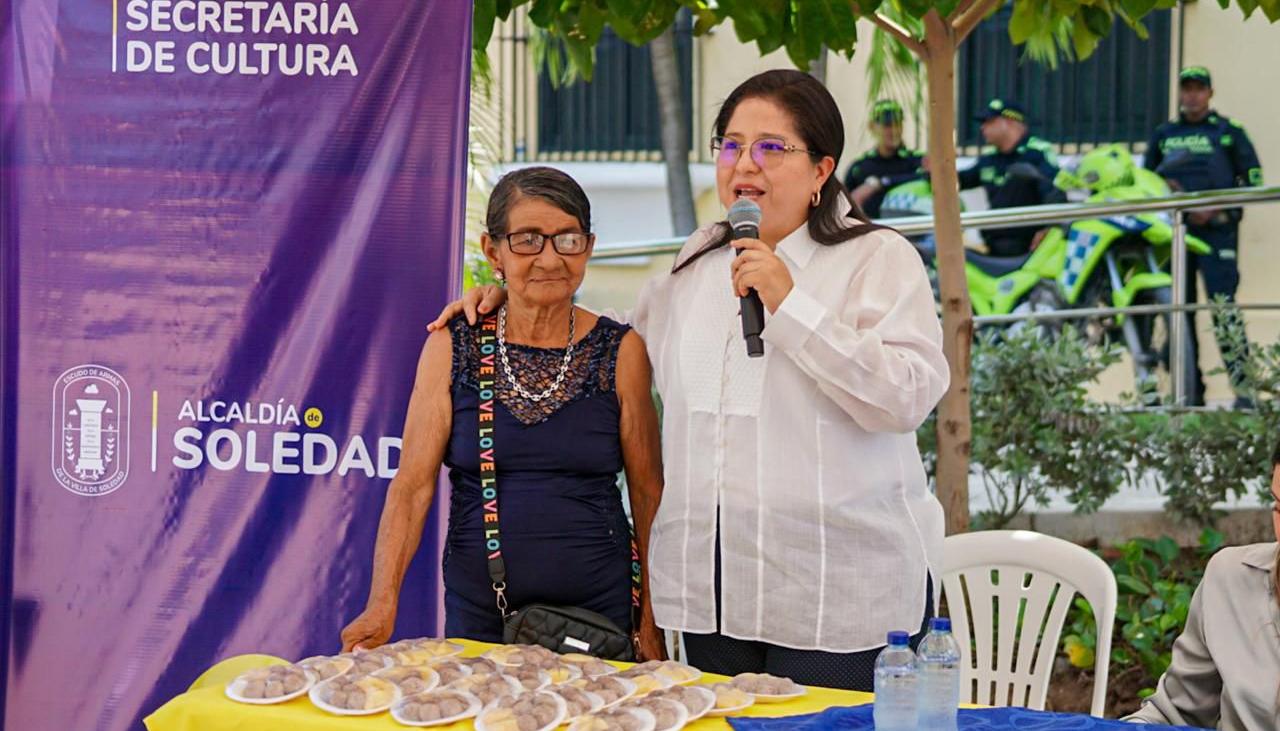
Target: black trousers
[1220, 271]
[716, 653]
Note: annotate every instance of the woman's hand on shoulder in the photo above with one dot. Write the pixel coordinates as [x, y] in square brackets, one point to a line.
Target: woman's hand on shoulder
[475, 302]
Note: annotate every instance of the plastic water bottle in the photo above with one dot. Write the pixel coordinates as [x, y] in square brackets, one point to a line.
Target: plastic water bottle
[895, 686]
[938, 661]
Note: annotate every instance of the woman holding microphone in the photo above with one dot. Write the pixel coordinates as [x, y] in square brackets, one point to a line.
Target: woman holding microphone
[796, 527]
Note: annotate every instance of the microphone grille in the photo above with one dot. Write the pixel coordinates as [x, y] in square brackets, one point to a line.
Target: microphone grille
[744, 211]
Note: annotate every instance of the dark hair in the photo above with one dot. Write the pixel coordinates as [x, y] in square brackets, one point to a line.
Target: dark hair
[817, 117]
[551, 185]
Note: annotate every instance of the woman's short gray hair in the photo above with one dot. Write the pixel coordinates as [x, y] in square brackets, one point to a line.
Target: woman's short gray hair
[549, 184]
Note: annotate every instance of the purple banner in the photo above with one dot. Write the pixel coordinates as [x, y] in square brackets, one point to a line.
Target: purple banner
[224, 226]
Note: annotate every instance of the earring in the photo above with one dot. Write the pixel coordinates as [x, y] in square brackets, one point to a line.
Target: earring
[499, 275]
[815, 199]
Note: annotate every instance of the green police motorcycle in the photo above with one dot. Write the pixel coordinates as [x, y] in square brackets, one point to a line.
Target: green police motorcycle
[1117, 261]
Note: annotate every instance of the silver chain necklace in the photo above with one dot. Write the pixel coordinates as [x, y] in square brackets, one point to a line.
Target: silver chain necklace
[506, 364]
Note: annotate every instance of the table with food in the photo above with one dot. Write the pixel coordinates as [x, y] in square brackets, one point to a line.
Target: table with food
[466, 685]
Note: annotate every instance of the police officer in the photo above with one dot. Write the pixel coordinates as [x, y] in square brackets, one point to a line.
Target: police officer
[1009, 140]
[1203, 150]
[888, 164]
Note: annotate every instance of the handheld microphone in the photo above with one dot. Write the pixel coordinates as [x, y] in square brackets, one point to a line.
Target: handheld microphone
[744, 220]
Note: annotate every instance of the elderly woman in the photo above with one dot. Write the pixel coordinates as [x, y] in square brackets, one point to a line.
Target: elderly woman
[1225, 672]
[573, 407]
[796, 527]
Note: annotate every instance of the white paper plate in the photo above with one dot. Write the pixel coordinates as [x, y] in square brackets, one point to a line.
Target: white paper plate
[447, 662]
[573, 672]
[473, 707]
[707, 695]
[500, 655]
[676, 707]
[582, 662]
[437, 649]
[597, 703]
[663, 683]
[562, 711]
[380, 657]
[767, 698]
[628, 687]
[544, 680]
[465, 684]
[751, 701]
[647, 720]
[426, 672]
[308, 664]
[716, 712]
[235, 687]
[694, 675]
[318, 688]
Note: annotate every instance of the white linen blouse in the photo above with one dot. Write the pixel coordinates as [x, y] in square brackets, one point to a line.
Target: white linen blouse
[806, 458]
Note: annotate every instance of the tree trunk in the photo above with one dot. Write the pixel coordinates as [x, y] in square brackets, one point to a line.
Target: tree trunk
[818, 66]
[957, 314]
[675, 133]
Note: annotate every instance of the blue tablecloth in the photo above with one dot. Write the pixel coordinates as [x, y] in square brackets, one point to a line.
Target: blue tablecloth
[859, 718]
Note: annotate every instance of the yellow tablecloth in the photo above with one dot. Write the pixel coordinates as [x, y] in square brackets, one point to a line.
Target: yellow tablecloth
[208, 709]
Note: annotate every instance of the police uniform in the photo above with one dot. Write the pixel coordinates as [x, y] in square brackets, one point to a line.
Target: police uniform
[900, 167]
[1004, 191]
[1212, 154]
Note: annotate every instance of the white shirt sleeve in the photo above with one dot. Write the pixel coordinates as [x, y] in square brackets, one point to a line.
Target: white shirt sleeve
[879, 357]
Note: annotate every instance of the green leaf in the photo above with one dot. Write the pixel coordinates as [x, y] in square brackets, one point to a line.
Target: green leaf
[869, 7]
[1167, 549]
[841, 24]
[1210, 541]
[1134, 585]
[1136, 9]
[749, 22]
[582, 57]
[704, 20]
[1083, 42]
[1023, 22]
[482, 20]
[1097, 20]
[591, 20]
[916, 8]
[543, 13]
[804, 32]
[946, 7]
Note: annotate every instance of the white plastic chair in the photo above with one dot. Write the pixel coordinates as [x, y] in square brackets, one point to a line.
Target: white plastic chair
[990, 579]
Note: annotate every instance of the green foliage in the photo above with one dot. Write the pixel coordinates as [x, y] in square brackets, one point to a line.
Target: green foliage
[1206, 457]
[1035, 429]
[1155, 581]
[804, 27]
[1036, 432]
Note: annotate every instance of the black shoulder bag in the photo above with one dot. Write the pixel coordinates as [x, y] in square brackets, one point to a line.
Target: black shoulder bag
[562, 629]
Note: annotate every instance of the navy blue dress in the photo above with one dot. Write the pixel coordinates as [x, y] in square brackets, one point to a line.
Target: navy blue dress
[565, 536]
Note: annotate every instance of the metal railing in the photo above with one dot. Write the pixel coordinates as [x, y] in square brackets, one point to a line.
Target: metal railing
[1064, 213]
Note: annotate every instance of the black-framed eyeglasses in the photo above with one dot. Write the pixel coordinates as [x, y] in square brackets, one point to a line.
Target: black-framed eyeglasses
[767, 152]
[532, 242]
